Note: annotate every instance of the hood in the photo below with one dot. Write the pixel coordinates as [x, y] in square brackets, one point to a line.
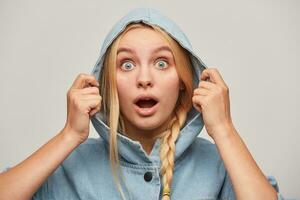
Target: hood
[129, 149]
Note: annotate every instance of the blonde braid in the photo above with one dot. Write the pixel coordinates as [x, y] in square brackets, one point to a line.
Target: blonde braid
[167, 151]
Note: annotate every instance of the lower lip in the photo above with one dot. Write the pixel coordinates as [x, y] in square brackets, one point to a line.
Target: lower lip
[146, 111]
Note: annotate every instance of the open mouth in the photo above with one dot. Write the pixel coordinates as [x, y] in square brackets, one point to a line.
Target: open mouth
[146, 103]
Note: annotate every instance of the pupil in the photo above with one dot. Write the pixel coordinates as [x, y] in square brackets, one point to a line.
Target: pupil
[161, 64]
[127, 65]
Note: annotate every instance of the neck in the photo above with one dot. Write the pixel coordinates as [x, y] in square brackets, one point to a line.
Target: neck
[147, 143]
[146, 138]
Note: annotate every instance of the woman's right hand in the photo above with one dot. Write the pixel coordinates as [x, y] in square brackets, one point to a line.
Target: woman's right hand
[24, 179]
[83, 101]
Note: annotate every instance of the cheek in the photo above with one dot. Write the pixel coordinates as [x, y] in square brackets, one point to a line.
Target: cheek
[171, 89]
[123, 88]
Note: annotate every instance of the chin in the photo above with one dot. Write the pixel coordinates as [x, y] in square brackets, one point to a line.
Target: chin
[148, 123]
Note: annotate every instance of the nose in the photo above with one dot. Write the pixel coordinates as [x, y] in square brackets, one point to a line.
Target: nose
[144, 78]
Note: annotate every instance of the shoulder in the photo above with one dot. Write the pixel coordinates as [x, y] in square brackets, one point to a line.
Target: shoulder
[77, 168]
[206, 147]
[89, 150]
[91, 144]
[84, 156]
[203, 152]
[203, 163]
[91, 141]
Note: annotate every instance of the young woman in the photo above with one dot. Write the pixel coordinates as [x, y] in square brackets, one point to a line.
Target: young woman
[148, 97]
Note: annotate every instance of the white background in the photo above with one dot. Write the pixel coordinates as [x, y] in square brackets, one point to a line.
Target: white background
[255, 45]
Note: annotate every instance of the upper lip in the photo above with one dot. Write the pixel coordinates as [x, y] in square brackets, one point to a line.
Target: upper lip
[145, 97]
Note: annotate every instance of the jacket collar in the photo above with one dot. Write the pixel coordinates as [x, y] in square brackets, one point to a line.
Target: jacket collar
[133, 152]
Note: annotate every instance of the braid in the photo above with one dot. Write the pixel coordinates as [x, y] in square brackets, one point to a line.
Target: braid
[167, 151]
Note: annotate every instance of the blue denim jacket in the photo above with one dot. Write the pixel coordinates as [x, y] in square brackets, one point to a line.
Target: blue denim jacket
[199, 172]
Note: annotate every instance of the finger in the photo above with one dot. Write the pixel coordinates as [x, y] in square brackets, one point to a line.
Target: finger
[94, 111]
[197, 102]
[198, 99]
[88, 97]
[204, 76]
[201, 91]
[214, 76]
[91, 104]
[90, 90]
[84, 80]
[197, 107]
[207, 85]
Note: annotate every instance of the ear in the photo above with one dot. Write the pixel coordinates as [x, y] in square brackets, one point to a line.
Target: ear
[181, 85]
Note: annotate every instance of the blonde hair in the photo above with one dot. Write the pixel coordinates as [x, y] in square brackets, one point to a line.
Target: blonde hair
[110, 106]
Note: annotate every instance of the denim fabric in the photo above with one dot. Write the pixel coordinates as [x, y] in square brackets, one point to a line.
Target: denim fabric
[199, 172]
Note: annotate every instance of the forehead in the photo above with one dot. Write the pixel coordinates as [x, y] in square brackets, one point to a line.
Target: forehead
[142, 38]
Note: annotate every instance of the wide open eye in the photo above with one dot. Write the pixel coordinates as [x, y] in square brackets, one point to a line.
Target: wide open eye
[127, 66]
[162, 64]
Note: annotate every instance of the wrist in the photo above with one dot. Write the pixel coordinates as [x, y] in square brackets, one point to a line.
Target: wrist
[222, 131]
[70, 137]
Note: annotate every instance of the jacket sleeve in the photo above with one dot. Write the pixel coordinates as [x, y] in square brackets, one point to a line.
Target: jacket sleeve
[227, 192]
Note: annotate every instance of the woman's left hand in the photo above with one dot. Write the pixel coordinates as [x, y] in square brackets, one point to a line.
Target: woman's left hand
[212, 100]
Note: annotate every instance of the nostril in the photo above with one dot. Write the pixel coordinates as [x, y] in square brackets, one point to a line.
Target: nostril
[145, 83]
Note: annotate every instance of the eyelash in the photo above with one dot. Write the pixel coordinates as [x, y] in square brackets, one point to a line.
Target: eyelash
[158, 59]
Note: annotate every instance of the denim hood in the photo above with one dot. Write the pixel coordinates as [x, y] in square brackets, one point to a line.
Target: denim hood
[129, 149]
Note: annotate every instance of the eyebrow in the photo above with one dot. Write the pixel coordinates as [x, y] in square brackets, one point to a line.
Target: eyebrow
[161, 48]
